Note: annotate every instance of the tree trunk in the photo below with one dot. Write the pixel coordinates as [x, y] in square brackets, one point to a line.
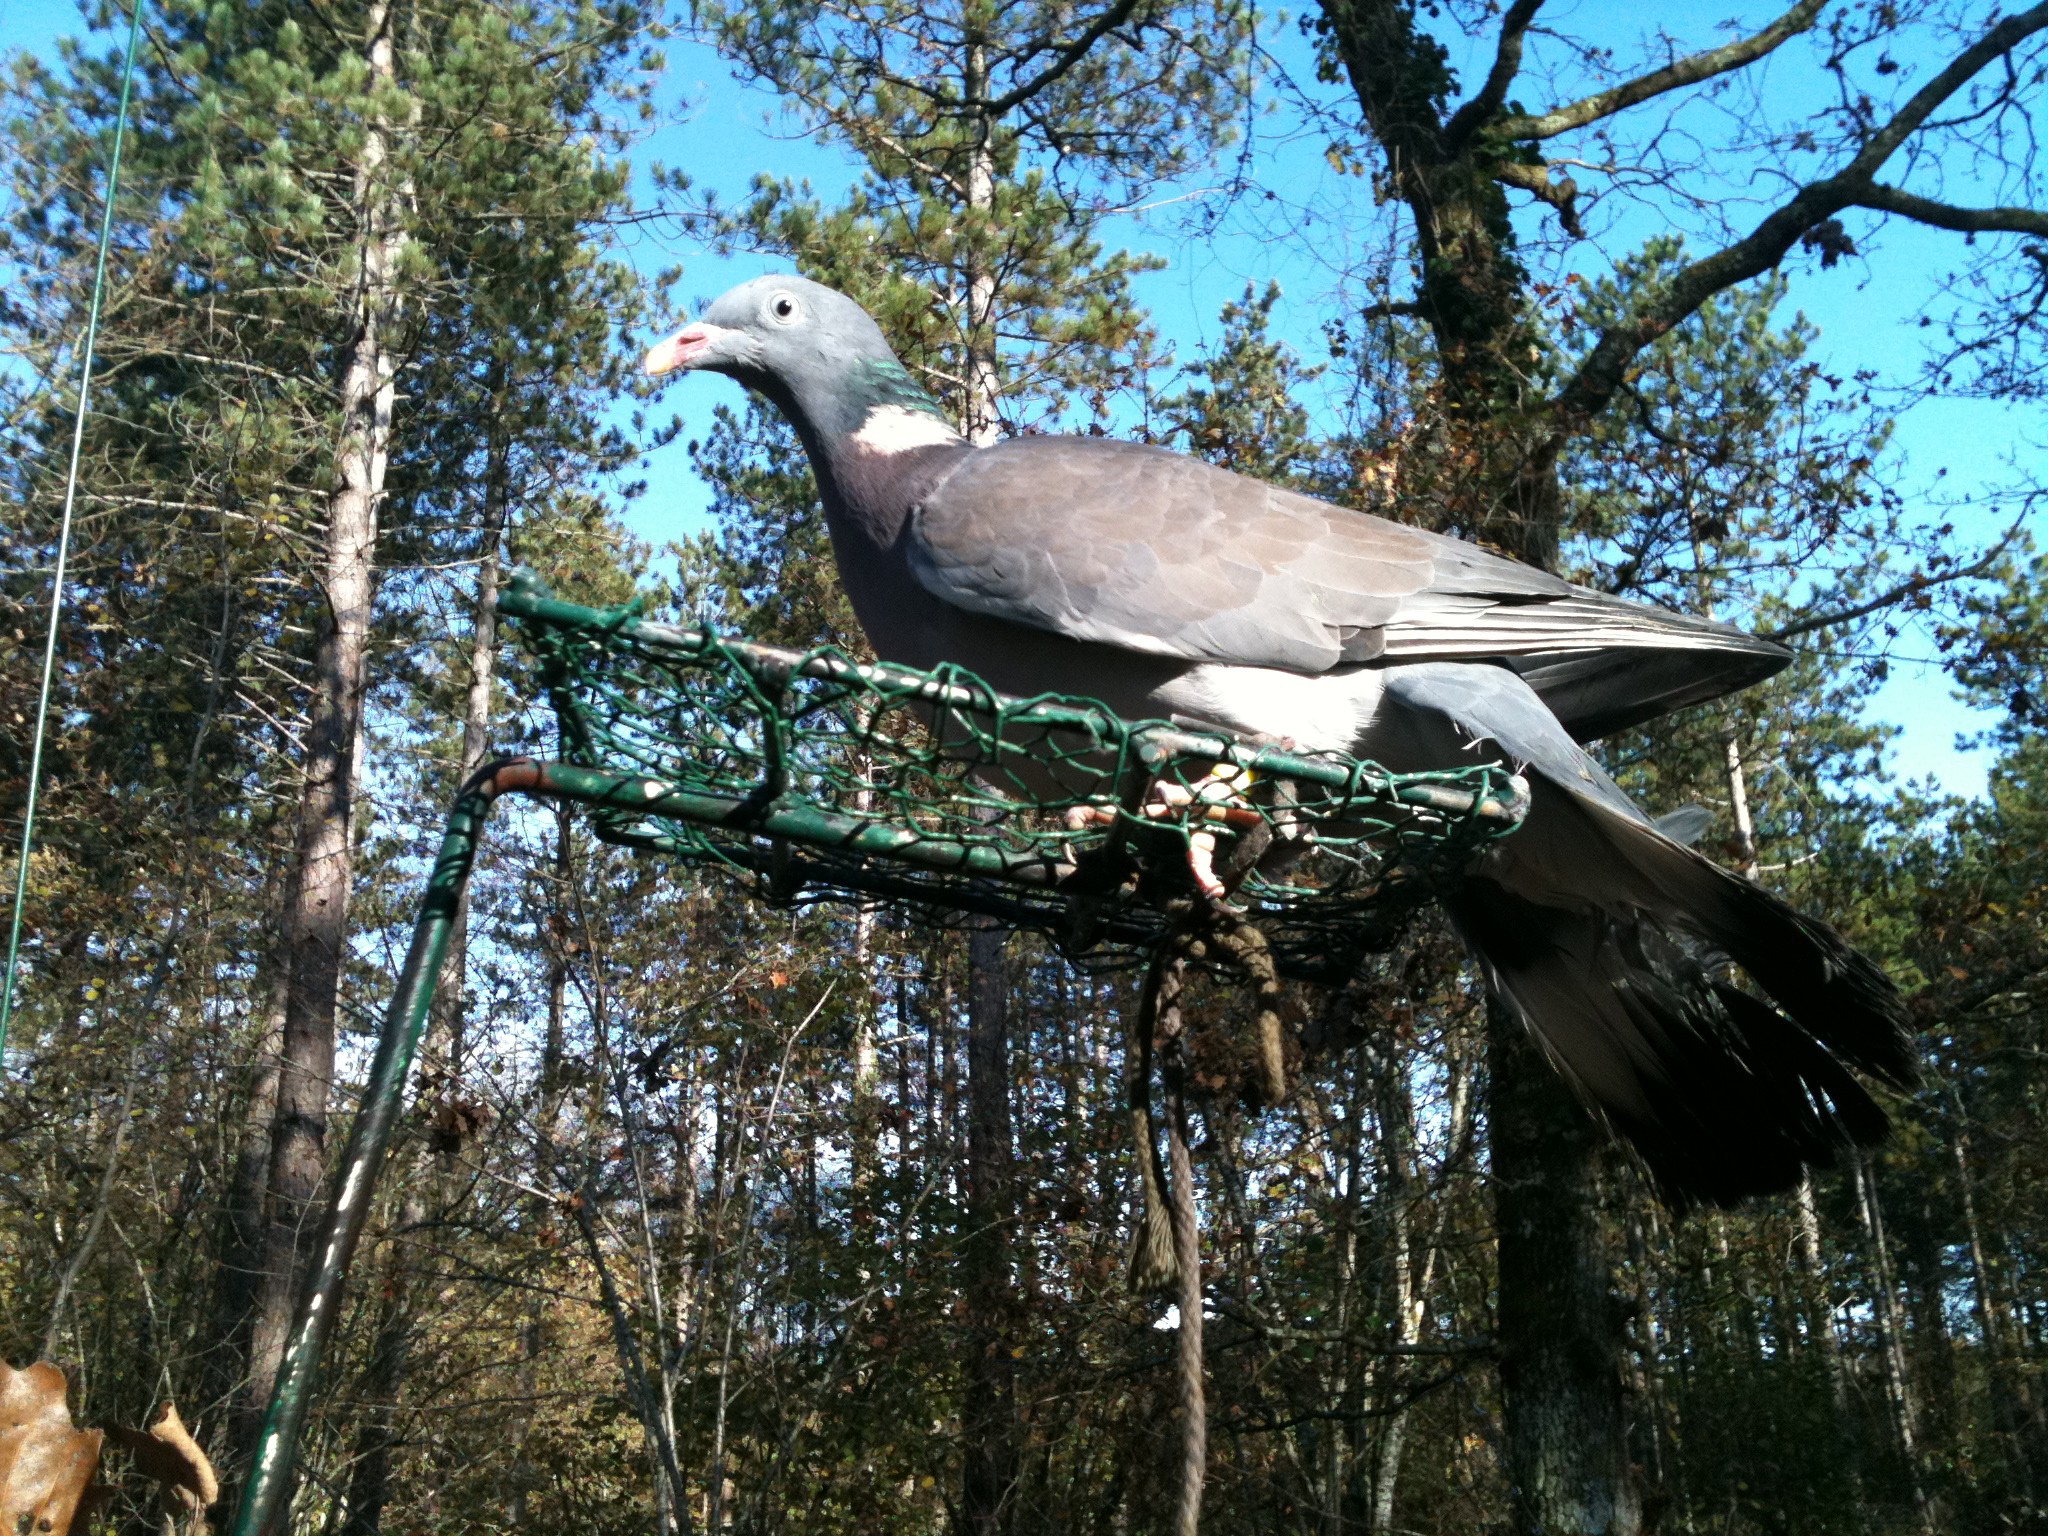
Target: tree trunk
[1488, 473]
[949, 1071]
[1406, 1299]
[981, 371]
[866, 1109]
[906, 1148]
[1557, 1325]
[476, 707]
[2008, 1400]
[1658, 1437]
[554, 1049]
[316, 925]
[369, 1484]
[989, 1421]
[1738, 797]
[1192, 1405]
[1818, 1302]
[988, 1418]
[1932, 1348]
[533, 1336]
[1411, 1257]
[238, 1283]
[1891, 1345]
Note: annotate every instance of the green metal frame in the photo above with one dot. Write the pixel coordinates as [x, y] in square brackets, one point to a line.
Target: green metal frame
[822, 778]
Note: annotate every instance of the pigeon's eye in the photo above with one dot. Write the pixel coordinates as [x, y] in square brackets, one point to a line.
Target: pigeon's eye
[784, 309]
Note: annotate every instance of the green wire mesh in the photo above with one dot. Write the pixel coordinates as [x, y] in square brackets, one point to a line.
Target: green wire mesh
[824, 779]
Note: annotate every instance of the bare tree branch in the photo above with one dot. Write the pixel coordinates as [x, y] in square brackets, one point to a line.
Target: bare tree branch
[1507, 63]
[1920, 581]
[1604, 368]
[2000, 40]
[1925, 210]
[1562, 194]
[1690, 70]
[1065, 58]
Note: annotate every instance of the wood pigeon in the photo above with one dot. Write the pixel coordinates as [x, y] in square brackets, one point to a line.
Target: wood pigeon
[1165, 586]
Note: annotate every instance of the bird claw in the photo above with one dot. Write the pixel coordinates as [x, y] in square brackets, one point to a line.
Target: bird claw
[1079, 818]
[1217, 798]
[1202, 865]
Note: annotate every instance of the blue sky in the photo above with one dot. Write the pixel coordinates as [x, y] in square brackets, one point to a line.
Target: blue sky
[1318, 225]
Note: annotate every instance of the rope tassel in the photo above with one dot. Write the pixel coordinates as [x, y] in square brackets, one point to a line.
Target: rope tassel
[1154, 1266]
[1154, 1269]
[1245, 947]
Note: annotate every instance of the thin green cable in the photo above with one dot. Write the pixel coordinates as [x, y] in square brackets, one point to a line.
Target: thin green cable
[92, 331]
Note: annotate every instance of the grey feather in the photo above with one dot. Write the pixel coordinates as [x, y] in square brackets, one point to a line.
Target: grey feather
[1685, 825]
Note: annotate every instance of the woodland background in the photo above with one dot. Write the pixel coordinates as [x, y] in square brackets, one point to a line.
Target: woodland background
[827, 1209]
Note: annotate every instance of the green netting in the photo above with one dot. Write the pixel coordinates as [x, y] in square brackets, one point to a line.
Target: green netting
[821, 778]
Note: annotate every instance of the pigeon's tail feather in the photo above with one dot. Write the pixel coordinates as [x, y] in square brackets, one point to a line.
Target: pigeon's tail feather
[1837, 994]
[1721, 1094]
[1595, 693]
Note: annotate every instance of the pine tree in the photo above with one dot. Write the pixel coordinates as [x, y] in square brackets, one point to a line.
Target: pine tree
[309, 213]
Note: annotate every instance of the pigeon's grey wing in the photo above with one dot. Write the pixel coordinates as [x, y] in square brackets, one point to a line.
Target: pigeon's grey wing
[1150, 551]
[1493, 704]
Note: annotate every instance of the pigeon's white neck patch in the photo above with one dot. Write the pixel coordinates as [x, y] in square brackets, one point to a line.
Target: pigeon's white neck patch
[896, 429]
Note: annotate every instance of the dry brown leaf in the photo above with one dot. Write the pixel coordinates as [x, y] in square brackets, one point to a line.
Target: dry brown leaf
[167, 1452]
[456, 1121]
[46, 1464]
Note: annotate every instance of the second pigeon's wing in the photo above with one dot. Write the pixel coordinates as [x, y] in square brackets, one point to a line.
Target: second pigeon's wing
[1146, 550]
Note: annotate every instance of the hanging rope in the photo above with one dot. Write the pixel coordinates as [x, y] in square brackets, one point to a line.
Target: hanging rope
[92, 332]
[1166, 1241]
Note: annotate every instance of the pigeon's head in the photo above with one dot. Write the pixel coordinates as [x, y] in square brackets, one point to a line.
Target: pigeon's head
[813, 352]
[774, 330]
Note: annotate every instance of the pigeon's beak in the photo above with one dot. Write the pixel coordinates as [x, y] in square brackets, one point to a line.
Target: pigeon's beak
[696, 346]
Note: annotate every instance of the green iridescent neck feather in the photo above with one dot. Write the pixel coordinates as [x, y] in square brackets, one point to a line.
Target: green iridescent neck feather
[887, 382]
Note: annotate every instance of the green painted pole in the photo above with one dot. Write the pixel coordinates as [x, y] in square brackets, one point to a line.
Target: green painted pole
[266, 1497]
